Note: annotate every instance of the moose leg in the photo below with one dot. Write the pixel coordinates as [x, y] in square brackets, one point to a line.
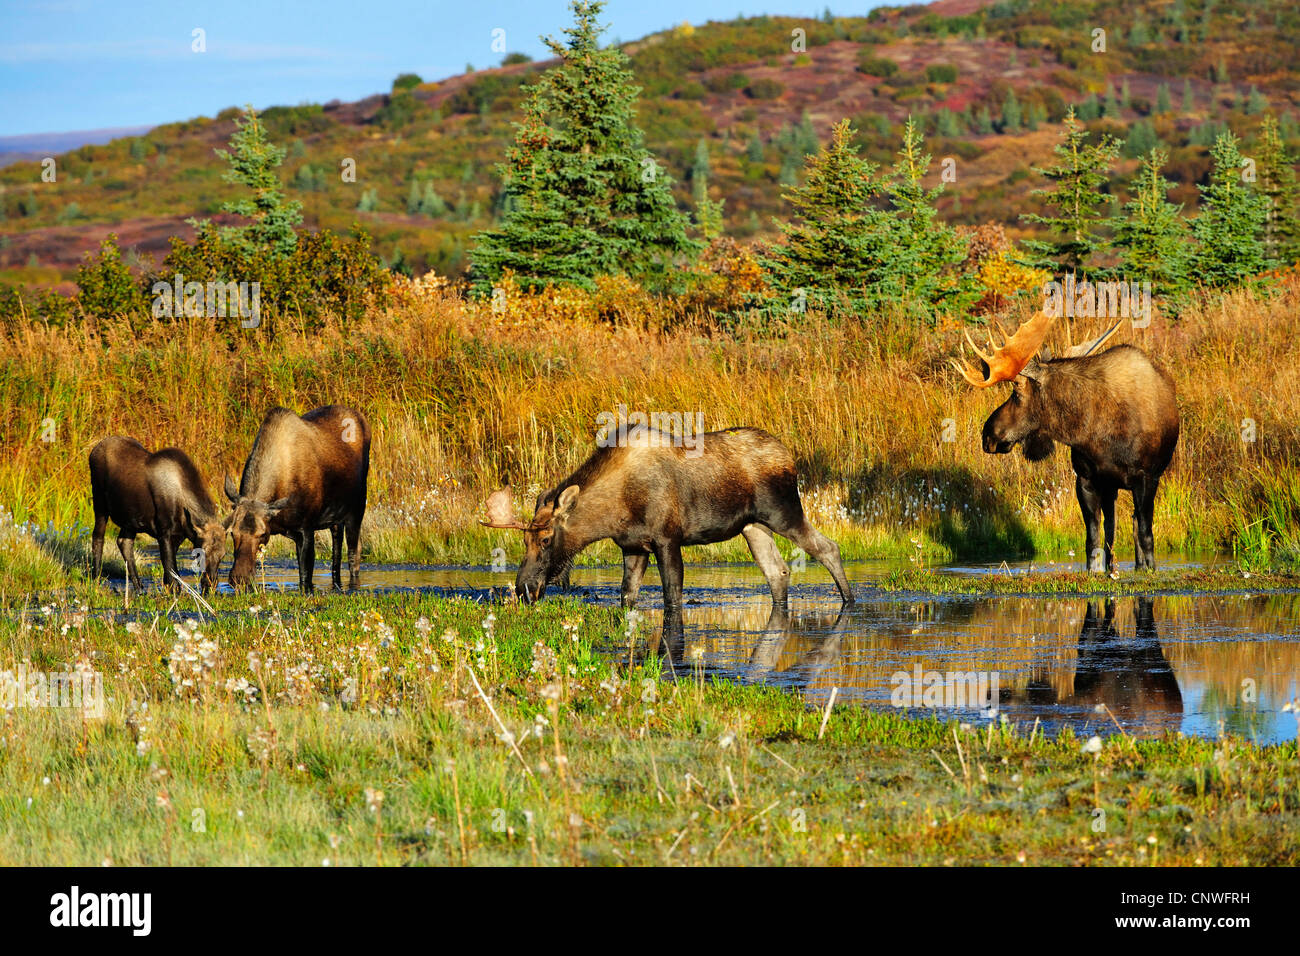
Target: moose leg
[353, 529]
[126, 545]
[768, 557]
[634, 565]
[1090, 503]
[1108, 513]
[668, 558]
[1144, 504]
[167, 542]
[306, 542]
[97, 543]
[824, 550]
[336, 561]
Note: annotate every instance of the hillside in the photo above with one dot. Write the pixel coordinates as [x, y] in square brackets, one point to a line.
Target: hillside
[729, 100]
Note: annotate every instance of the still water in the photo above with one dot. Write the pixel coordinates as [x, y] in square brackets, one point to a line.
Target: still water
[1201, 664]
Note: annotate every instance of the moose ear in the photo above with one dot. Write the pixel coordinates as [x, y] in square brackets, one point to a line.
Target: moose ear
[1045, 354]
[232, 492]
[277, 506]
[565, 504]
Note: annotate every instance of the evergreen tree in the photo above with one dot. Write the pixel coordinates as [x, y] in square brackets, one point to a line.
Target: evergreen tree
[708, 212]
[1256, 103]
[928, 249]
[253, 161]
[589, 199]
[1230, 226]
[754, 151]
[700, 168]
[1011, 113]
[1153, 237]
[1075, 191]
[1189, 101]
[1163, 104]
[841, 245]
[1141, 139]
[1277, 183]
[1112, 104]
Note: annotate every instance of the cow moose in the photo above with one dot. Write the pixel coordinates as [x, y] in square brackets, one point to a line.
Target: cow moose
[160, 494]
[651, 497]
[303, 474]
[1116, 410]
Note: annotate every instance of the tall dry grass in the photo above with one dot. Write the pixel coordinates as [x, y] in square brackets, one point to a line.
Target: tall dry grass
[462, 397]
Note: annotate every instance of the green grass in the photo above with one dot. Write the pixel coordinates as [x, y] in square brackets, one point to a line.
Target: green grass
[355, 695]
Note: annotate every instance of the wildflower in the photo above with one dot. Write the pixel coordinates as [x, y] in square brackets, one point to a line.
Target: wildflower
[1093, 746]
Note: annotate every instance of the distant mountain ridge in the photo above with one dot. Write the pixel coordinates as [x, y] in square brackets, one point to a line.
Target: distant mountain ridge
[38, 145]
[732, 104]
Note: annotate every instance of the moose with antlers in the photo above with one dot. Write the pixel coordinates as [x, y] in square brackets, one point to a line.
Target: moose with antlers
[1116, 410]
[651, 497]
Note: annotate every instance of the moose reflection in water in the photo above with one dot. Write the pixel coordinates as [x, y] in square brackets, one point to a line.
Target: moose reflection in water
[1131, 677]
[1128, 673]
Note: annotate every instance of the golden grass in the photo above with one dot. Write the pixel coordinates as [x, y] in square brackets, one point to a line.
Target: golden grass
[462, 397]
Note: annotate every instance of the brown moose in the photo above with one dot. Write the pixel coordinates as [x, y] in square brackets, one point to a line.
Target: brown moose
[159, 494]
[304, 474]
[1116, 410]
[652, 497]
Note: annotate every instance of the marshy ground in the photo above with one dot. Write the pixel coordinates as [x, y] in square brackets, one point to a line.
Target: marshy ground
[412, 722]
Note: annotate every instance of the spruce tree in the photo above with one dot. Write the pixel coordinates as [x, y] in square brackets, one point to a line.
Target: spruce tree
[1075, 192]
[928, 249]
[1152, 237]
[842, 248]
[1277, 183]
[253, 161]
[1230, 226]
[1163, 104]
[586, 197]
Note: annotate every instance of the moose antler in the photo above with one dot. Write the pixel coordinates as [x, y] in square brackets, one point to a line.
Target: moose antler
[1087, 348]
[501, 511]
[1010, 358]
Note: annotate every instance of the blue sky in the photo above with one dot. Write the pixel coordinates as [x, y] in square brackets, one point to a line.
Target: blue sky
[80, 64]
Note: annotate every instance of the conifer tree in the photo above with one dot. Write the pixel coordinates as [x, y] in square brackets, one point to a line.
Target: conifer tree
[1076, 193]
[253, 161]
[842, 245]
[1230, 226]
[585, 196]
[1153, 237]
[1277, 183]
[929, 250]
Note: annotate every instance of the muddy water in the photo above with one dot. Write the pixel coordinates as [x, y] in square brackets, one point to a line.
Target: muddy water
[1201, 664]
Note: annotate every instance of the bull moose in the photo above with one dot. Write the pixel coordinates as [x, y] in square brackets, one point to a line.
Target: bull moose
[1116, 410]
[304, 474]
[652, 497]
[160, 494]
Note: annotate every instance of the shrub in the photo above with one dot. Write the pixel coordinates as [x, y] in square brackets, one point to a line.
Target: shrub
[764, 89]
[941, 73]
[873, 65]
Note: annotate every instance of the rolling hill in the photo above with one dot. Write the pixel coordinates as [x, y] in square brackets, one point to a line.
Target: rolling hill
[738, 103]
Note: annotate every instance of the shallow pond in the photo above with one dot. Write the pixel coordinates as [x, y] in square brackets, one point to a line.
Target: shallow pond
[1192, 662]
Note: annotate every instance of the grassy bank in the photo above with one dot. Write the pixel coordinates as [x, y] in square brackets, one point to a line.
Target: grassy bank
[462, 398]
[353, 731]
